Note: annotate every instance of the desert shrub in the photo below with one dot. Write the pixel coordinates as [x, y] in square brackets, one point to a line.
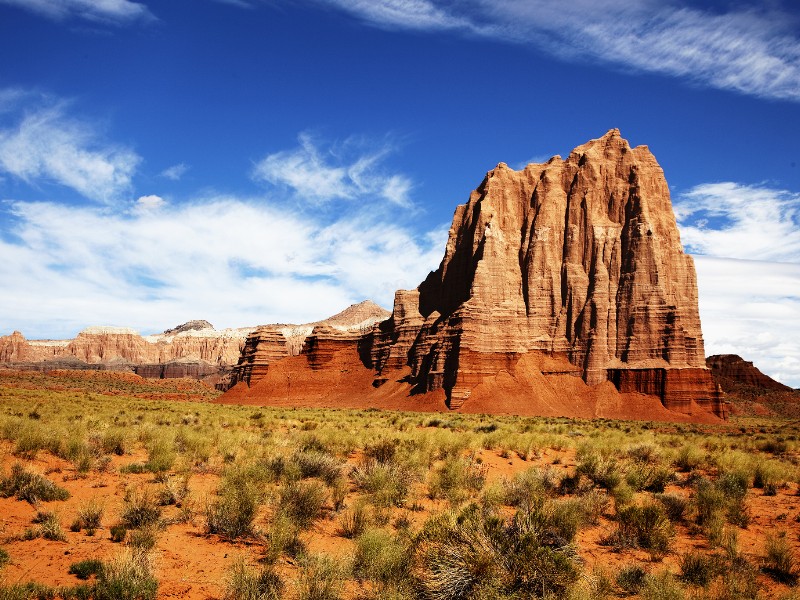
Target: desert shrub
[86, 568]
[383, 451]
[118, 532]
[388, 483]
[709, 501]
[127, 577]
[5, 558]
[529, 484]
[700, 569]
[662, 586]
[595, 503]
[740, 582]
[631, 579]
[173, 490]
[244, 583]
[301, 502]
[114, 441]
[645, 526]
[354, 521]
[283, 537]
[232, 513]
[688, 458]
[649, 477]
[320, 579]
[90, 516]
[601, 470]
[30, 487]
[139, 509]
[674, 505]
[455, 479]
[316, 463]
[160, 455]
[381, 557]
[475, 555]
[145, 538]
[48, 527]
[779, 561]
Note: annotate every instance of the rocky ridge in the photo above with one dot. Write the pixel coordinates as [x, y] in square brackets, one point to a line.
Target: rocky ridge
[575, 262]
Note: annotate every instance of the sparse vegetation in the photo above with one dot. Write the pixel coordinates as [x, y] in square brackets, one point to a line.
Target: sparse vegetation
[430, 507]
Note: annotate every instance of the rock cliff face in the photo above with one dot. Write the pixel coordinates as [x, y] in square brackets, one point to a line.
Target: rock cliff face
[733, 373]
[579, 258]
[576, 259]
[194, 349]
[270, 343]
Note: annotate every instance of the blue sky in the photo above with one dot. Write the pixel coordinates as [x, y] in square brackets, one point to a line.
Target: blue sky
[256, 161]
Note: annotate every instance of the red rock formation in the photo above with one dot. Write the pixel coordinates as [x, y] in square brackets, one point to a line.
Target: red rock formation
[122, 347]
[578, 260]
[732, 372]
[270, 343]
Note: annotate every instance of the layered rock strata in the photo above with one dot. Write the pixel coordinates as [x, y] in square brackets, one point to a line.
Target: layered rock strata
[270, 343]
[579, 258]
[733, 373]
[575, 260]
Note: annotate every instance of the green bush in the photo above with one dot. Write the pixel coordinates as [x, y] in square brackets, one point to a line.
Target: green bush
[674, 505]
[314, 463]
[232, 514]
[301, 502]
[320, 579]
[662, 587]
[139, 509]
[381, 557]
[388, 483]
[244, 583]
[30, 487]
[779, 561]
[49, 528]
[455, 479]
[118, 533]
[700, 569]
[127, 577]
[645, 526]
[480, 555]
[354, 521]
[5, 558]
[86, 568]
[631, 579]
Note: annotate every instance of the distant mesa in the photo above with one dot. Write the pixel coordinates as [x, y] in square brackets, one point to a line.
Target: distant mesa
[194, 349]
[736, 375]
[564, 290]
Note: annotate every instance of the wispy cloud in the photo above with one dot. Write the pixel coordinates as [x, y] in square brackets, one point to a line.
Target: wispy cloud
[107, 11]
[233, 261]
[750, 50]
[45, 145]
[345, 171]
[752, 308]
[175, 172]
[732, 220]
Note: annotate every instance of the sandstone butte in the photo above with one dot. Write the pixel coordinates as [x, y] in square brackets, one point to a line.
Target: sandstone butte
[564, 291]
[194, 349]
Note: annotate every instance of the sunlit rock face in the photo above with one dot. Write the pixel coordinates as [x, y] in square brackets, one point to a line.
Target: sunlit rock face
[577, 257]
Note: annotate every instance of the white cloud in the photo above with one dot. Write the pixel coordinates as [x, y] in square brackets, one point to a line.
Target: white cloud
[175, 172]
[754, 51]
[343, 172]
[740, 221]
[752, 308]
[149, 203]
[233, 261]
[45, 145]
[110, 11]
